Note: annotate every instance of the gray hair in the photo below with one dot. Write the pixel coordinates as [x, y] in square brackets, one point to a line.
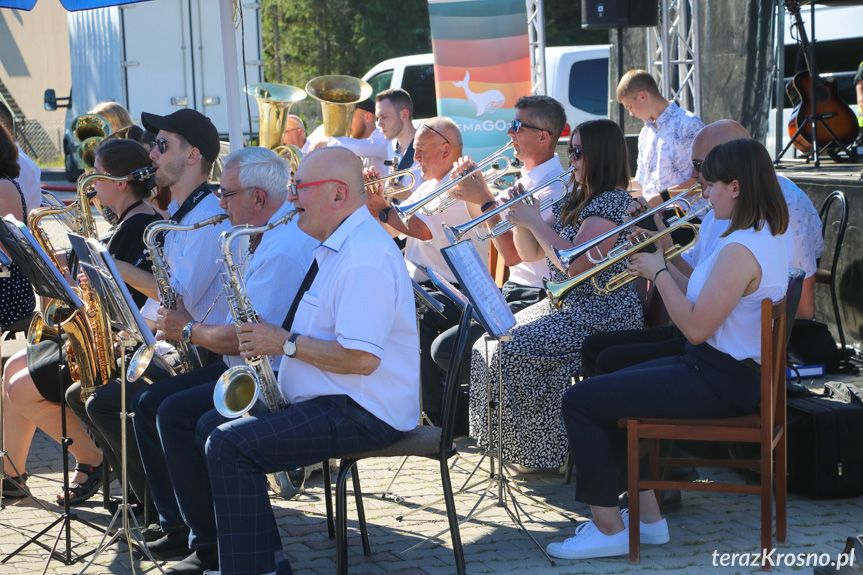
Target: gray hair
[263, 169]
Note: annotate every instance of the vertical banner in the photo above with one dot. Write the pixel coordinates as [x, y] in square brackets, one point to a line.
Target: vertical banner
[481, 67]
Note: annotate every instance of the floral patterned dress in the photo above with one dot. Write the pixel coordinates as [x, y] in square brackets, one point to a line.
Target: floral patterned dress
[545, 351]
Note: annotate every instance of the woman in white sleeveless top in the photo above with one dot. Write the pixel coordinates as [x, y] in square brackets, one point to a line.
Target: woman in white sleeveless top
[718, 309]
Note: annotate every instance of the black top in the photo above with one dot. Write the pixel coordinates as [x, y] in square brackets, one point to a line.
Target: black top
[127, 245]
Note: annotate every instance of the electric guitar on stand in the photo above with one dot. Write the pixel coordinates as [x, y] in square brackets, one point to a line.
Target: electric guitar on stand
[836, 121]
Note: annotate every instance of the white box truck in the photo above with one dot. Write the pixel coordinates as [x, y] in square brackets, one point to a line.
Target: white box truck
[156, 57]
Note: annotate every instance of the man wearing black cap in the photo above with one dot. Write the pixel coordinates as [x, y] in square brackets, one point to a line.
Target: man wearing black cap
[186, 145]
[366, 141]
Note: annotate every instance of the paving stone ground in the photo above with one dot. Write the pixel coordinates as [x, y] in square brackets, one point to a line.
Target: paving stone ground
[709, 523]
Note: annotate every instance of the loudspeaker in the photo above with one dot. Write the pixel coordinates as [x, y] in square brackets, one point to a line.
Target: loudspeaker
[597, 14]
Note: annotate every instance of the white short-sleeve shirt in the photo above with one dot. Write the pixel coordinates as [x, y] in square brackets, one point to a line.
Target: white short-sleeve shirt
[532, 273]
[195, 262]
[359, 265]
[420, 254]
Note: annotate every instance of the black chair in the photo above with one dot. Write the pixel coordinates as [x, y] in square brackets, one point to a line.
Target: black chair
[828, 276]
[424, 441]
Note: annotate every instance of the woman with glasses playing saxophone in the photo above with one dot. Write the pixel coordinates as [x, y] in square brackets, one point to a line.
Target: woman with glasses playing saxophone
[545, 350]
[34, 388]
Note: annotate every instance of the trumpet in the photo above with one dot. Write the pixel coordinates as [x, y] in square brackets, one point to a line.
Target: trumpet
[684, 201]
[456, 233]
[441, 200]
[394, 176]
[557, 290]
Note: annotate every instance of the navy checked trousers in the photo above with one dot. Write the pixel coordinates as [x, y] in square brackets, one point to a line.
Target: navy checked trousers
[242, 451]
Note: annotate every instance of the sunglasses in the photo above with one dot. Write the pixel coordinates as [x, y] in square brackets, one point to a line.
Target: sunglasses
[697, 164]
[160, 143]
[518, 125]
[292, 188]
[427, 127]
[223, 193]
[574, 152]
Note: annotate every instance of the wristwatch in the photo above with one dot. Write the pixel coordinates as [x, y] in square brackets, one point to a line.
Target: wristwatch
[290, 346]
[186, 334]
[384, 214]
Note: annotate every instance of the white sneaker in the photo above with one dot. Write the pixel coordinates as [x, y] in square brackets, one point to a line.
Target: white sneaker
[650, 533]
[589, 542]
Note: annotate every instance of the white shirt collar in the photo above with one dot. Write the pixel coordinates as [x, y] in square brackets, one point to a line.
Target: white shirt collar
[338, 237]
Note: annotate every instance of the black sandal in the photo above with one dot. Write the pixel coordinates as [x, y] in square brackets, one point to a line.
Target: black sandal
[81, 492]
[12, 486]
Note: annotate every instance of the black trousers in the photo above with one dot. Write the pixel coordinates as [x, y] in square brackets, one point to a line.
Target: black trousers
[431, 325]
[607, 352]
[101, 415]
[702, 383]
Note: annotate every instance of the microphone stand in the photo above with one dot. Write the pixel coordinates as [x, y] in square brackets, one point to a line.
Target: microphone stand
[129, 527]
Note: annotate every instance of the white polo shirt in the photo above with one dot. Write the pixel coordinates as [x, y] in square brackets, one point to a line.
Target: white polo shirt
[360, 267]
[275, 273]
[420, 254]
[531, 273]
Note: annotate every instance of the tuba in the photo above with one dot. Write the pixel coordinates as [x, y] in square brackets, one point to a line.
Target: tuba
[274, 105]
[338, 96]
[251, 388]
[189, 359]
[89, 130]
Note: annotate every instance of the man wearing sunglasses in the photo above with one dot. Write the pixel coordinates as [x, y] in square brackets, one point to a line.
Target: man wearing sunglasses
[535, 129]
[349, 369]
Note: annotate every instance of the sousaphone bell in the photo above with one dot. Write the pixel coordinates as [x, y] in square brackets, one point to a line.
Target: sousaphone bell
[338, 96]
[274, 105]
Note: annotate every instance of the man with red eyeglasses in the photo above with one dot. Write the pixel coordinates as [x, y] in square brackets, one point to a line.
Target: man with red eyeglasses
[253, 191]
[349, 370]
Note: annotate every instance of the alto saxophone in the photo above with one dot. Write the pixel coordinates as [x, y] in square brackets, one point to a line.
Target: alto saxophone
[89, 350]
[189, 359]
[253, 387]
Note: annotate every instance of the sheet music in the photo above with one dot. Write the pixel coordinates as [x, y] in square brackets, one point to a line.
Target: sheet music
[425, 299]
[488, 302]
[36, 265]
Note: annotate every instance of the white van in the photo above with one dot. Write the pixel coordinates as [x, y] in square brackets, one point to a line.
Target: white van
[577, 77]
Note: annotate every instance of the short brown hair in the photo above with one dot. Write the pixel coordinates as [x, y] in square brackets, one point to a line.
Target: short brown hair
[761, 200]
[8, 155]
[400, 98]
[634, 82]
[606, 165]
[122, 157]
[546, 111]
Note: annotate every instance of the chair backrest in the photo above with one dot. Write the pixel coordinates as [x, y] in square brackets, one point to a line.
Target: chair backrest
[792, 299]
[453, 380]
[824, 213]
[773, 340]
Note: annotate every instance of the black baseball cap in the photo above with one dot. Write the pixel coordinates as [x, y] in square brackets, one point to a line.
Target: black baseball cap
[195, 127]
[368, 105]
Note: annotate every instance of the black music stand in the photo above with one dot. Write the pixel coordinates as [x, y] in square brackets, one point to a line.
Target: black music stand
[47, 281]
[109, 286]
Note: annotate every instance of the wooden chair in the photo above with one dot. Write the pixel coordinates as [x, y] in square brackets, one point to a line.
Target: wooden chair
[424, 441]
[766, 428]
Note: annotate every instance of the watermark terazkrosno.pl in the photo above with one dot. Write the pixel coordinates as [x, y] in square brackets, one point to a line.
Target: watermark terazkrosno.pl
[776, 558]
